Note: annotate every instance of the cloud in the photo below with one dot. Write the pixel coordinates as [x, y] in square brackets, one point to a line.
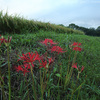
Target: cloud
[23, 6]
[32, 6]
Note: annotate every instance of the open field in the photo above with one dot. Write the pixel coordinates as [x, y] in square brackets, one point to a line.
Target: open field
[87, 87]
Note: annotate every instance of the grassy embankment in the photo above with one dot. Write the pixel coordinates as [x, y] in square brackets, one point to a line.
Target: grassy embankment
[17, 24]
[30, 42]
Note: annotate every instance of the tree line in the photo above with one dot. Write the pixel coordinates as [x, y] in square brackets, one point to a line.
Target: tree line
[87, 31]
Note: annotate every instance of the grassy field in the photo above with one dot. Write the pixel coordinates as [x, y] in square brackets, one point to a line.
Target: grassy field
[16, 24]
[86, 88]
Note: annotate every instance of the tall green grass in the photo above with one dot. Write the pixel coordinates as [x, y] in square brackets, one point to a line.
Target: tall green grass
[89, 57]
[17, 24]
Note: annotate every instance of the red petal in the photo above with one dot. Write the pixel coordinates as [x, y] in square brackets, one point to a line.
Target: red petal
[74, 65]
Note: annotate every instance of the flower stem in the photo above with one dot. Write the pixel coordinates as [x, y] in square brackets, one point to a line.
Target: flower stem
[2, 85]
[35, 95]
[3, 92]
[27, 87]
[78, 75]
[74, 59]
[9, 82]
[69, 73]
[41, 83]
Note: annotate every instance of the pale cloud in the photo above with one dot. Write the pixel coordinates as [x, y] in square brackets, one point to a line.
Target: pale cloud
[32, 6]
[23, 6]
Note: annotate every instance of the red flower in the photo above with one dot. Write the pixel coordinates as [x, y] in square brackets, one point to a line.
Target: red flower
[50, 60]
[43, 64]
[74, 65]
[75, 46]
[57, 49]
[3, 40]
[30, 57]
[27, 66]
[25, 71]
[48, 41]
[24, 68]
[82, 68]
[19, 68]
[78, 68]
[6, 41]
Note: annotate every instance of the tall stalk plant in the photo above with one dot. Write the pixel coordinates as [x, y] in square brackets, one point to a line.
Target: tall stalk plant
[7, 44]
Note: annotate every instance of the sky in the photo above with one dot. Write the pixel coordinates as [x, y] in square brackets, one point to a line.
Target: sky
[84, 13]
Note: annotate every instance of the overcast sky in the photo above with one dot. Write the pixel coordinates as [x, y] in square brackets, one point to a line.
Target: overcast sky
[84, 13]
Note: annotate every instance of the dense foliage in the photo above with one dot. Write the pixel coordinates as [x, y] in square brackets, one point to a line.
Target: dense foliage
[16, 24]
[47, 65]
[87, 31]
[86, 88]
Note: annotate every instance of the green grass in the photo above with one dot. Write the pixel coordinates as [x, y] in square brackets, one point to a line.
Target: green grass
[89, 57]
[17, 24]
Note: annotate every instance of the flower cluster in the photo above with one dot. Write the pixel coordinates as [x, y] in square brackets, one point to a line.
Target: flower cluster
[57, 49]
[43, 62]
[76, 46]
[24, 68]
[6, 42]
[29, 57]
[29, 60]
[78, 68]
[50, 42]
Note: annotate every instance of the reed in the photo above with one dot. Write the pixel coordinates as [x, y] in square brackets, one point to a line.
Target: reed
[17, 24]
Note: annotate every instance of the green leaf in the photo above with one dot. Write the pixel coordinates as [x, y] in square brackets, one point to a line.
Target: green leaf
[58, 75]
[55, 69]
[3, 64]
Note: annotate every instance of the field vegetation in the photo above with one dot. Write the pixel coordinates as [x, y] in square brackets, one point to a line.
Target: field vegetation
[66, 65]
[20, 25]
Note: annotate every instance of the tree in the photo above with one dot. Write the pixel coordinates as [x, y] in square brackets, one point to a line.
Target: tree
[98, 31]
[73, 26]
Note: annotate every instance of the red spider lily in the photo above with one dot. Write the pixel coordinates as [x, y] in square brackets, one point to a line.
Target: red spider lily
[43, 64]
[74, 65]
[19, 68]
[25, 71]
[82, 68]
[48, 41]
[3, 40]
[6, 41]
[30, 57]
[78, 68]
[75, 46]
[57, 49]
[50, 61]
[27, 66]
[24, 68]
